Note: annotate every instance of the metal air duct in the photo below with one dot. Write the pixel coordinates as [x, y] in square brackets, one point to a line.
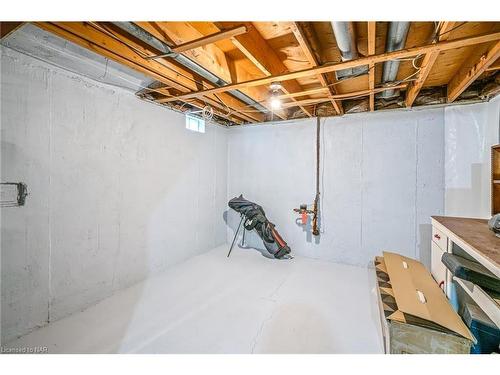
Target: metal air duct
[396, 40]
[346, 41]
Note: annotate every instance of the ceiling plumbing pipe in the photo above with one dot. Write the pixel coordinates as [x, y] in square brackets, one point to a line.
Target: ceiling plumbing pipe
[396, 40]
[164, 48]
[345, 36]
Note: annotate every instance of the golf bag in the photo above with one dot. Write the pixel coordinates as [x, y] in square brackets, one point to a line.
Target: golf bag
[255, 218]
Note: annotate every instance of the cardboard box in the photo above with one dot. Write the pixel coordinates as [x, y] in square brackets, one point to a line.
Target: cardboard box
[416, 317]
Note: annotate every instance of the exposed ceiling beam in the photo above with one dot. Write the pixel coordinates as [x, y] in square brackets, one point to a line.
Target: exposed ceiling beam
[91, 38]
[176, 34]
[304, 93]
[428, 61]
[332, 67]
[468, 74]
[7, 28]
[257, 50]
[371, 51]
[310, 56]
[348, 95]
[204, 40]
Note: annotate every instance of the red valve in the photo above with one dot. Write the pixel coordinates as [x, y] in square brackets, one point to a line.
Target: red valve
[304, 217]
[304, 213]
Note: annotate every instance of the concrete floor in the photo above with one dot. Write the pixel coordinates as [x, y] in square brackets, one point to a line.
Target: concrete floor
[244, 304]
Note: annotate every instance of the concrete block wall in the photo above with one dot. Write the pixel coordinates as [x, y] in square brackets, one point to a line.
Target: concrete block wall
[118, 190]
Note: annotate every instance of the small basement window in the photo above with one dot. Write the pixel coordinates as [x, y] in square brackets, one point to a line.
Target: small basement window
[195, 124]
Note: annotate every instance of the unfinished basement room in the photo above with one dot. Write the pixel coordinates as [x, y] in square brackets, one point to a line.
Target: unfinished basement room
[322, 186]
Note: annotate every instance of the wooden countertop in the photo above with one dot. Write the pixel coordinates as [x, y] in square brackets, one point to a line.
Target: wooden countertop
[476, 234]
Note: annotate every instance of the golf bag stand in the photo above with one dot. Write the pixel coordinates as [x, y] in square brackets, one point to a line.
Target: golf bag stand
[253, 217]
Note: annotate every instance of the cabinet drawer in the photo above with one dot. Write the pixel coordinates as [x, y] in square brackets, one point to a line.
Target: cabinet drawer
[440, 239]
[438, 269]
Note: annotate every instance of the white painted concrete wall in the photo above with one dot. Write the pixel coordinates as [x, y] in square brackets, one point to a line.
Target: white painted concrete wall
[119, 189]
[382, 179]
[470, 131]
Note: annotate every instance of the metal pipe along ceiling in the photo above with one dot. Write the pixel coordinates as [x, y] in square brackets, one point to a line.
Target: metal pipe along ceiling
[396, 40]
[154, 42]
[345, 37]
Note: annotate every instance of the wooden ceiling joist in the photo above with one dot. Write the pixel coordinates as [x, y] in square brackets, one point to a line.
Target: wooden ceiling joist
[466, 75]
[320, 90]
[208, 39]
[163, 71]
[257, 50]
[350, 95]
[428, 61]
[371, 72]
[306, 48]
[400, 54]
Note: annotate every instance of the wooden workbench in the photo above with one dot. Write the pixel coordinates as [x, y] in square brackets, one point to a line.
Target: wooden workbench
[474, 236]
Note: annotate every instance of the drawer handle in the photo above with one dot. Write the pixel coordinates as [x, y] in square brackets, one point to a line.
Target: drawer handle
[437, 236]
[441, 284]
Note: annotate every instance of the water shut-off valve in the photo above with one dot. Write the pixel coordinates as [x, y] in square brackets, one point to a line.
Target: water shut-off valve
[304, 213]
[304, 216]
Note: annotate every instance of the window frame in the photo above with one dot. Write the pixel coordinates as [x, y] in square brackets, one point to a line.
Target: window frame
[195, 123]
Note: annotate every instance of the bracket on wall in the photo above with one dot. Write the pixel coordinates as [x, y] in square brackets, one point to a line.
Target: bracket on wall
[13, 194]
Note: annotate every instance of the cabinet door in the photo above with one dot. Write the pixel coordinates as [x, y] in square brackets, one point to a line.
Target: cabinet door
[438, 269]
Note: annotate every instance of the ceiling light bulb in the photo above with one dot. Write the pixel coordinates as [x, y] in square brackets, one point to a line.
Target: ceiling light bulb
[275, 103]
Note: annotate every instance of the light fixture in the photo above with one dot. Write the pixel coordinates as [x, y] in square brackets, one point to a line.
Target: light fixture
[275, 103]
